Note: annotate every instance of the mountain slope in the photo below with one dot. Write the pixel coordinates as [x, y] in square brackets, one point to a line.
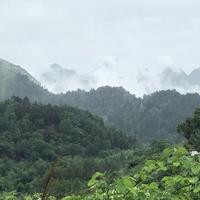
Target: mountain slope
[154, 116]
[174, 78]
[194, 77]
[15, 81]
[114, 105]
[151, 117]
[32, 136]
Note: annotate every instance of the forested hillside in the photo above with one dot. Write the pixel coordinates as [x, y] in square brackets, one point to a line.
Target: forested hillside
[170, 175]
[33, 136]
[99, 100]
[36, 135]
[151, 117]
[15, 81]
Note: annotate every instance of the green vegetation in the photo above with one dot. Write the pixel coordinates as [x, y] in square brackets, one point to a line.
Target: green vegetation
[154, 116]
[147, 174]
[130, 166]
[15, 81]
[191, 130]
[172, 176]
[34, 135]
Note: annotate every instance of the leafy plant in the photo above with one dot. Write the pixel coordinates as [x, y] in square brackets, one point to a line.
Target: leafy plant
[174, 176]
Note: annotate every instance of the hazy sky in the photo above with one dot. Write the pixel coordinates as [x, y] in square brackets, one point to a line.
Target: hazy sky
[92, 36]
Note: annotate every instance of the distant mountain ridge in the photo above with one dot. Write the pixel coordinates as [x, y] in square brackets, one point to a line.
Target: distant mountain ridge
[60, 79]
[15, 81]
[174, 78]
[180, 78]
[154, 116]
[194, 77]
[18, 70]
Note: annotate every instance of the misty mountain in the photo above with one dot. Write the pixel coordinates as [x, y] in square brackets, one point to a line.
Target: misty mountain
[169, 78]
[15, 81]
[151, 117]
[194, 77]
[154, 116]
[176, 78]
[61, 79]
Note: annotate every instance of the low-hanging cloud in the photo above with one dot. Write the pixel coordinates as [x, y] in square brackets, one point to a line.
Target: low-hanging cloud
[142, 81]
[169, 78]
[79, 34]
[59, 79]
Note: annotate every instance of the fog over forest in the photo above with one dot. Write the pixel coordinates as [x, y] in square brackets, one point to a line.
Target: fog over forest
[99, 100]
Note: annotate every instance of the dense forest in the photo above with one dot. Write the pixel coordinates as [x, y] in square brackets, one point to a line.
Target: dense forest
[151, 117]
[98, 145]
[34, 135]
[99, 100]
[169, 174]
[172, 175]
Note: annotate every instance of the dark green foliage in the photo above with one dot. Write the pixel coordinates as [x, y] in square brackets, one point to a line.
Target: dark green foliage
[191, 130]
[152, 117]
[56, 130]
[15, 81]
[172, 176]
[32, 136]
[114, 105]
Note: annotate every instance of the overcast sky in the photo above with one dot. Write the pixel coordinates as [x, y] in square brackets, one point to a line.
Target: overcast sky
[118, 37]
